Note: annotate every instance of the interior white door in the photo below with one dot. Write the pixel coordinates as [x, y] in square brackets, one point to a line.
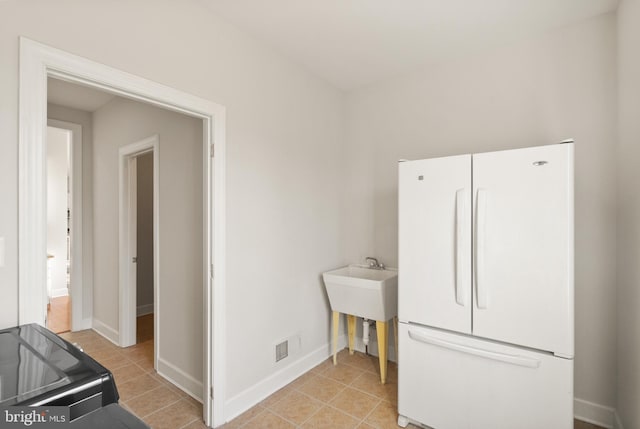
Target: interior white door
[523, 265]
[434, 199]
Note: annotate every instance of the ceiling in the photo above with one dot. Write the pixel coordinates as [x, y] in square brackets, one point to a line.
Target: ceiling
[76, 96]
[352, 43]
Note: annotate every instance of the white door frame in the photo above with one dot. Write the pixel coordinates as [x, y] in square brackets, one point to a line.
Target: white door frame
[127, 239]
[79, 319]
[37, 63]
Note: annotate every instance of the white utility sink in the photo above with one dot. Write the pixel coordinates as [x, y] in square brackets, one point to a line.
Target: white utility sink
[363, 292]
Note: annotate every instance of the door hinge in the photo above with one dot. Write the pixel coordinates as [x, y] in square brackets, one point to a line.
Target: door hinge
[211, 392]
[212, 150]
[211, 271]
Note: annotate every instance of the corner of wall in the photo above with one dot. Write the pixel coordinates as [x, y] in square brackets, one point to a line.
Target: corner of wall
[249, 397]
[107, 332]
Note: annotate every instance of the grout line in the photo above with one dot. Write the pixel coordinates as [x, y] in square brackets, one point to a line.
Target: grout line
[160, 409]
[190, 421]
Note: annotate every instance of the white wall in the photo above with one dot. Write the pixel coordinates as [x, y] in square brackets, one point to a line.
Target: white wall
[540, 92]
[629, 213]
[58, 141]
[85, 120]
[144, 206]
[284, 158]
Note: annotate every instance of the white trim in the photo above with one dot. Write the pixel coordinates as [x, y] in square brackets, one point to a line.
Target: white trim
[79, 288]
[143, 310]
[37, 63]
[127, 236]
[181, 379]
[266, 387]
[590, 412]
[106, 331]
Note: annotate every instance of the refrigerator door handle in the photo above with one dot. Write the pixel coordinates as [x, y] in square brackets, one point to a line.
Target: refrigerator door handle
[502, 357]
[462, 246]
[481, 220]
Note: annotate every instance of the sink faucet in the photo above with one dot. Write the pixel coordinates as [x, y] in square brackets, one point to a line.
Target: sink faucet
[373, 263]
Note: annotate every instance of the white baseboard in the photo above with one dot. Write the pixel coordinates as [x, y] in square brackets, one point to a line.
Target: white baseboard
[259, 391]
[180, 379]
[57, 293]
[86, 323]
[596, 414]
[107, 331]
[617, 423]
[141, 310]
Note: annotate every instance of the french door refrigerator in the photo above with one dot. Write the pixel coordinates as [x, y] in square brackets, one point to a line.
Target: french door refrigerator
[486, 290]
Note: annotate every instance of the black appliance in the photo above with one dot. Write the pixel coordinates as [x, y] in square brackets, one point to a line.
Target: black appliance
[39, 368]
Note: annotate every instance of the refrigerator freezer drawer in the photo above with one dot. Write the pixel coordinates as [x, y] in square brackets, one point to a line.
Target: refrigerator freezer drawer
[452, 381]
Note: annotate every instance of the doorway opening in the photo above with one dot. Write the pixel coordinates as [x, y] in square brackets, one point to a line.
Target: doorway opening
[64, 223]
[144, 262]
[39, 62]
[139, 251]
[59, 200]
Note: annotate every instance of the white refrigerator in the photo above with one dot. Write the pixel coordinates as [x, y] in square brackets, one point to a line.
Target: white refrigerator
[486, 290]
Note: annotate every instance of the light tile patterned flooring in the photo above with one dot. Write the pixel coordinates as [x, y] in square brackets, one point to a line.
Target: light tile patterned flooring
[333, 397]
[348, 395]
[142, 391]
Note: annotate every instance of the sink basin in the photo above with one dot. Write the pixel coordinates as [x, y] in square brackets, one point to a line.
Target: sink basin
[363, 292]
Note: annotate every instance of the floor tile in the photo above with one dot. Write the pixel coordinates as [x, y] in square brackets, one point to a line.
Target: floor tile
[137, 386]
[355, 403]
[127, 372]
[370, 383]
[358, 360]
[152, 401]
[243, 418]
[296, 407]
[174, 416]
[321, 368]
[268, 420]
[300, 381]
[384, 416]
[198, 424]
[322, 388]
[277, 396]
[343, 373]
[330, 418]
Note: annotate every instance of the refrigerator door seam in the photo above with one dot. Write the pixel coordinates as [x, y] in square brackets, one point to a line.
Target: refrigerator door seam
[462, 236]
[481, 220]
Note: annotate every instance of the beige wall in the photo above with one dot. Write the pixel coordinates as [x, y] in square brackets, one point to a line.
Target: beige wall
[284, 160]
[541, 92]
[119, 123]
[85, 120]
[629, 214]
[144, 206]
